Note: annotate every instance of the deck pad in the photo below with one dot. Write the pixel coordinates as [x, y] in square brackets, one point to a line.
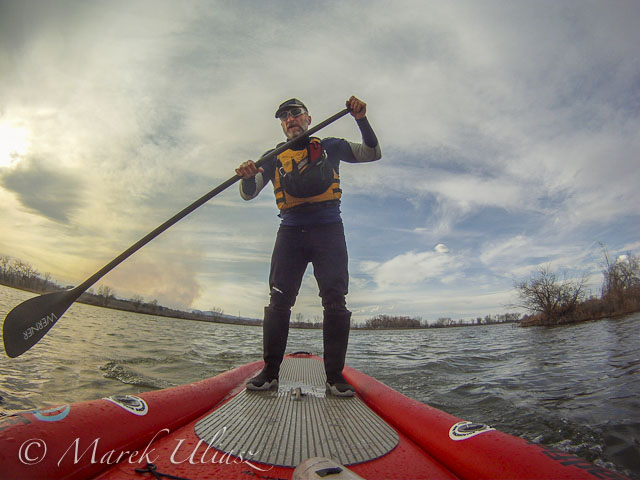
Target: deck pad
[297, 422]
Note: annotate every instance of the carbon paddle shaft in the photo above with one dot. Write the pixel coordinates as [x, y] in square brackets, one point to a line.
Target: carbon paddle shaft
[28, 322]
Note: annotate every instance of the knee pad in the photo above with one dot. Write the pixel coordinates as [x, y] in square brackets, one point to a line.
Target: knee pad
[335, 309]
[279, 301]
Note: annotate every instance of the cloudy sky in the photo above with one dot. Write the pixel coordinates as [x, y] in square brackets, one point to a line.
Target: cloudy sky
[510, 133]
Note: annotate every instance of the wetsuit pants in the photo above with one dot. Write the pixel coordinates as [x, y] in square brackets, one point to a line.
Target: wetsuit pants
[322, 245]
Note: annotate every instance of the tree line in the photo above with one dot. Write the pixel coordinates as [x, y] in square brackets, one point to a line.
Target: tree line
[554, 299]
[389, 321]
[19, 274]
[548, 297]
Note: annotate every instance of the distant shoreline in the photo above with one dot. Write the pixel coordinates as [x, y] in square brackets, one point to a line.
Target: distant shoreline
[14, 273]
[154, 309]
[114, 303]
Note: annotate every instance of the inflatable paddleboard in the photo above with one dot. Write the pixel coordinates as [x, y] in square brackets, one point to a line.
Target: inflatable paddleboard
[216, 429]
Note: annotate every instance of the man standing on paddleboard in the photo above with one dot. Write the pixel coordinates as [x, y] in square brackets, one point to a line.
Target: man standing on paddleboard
[306, 184]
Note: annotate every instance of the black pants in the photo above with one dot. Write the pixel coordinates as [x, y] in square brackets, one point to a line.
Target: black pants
[322, 245]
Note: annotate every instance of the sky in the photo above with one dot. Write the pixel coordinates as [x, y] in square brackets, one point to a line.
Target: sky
[510, 133]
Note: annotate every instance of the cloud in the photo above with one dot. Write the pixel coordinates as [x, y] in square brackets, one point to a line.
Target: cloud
[414, 267]
[52, 193]
[441, 248]
[172, 278]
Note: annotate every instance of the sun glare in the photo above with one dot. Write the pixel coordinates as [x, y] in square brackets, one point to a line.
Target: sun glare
[14, 143]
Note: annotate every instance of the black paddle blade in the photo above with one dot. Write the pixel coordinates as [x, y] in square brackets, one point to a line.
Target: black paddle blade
[27, 323]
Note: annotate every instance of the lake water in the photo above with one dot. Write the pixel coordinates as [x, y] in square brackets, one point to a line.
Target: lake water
[576, 388]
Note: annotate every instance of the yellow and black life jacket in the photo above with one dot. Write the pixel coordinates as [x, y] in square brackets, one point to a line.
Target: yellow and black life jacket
[305, 176]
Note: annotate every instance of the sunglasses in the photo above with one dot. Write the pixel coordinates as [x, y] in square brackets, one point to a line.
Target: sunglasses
[294, 112]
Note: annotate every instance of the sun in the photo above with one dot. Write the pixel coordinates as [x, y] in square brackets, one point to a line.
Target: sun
[14, 143]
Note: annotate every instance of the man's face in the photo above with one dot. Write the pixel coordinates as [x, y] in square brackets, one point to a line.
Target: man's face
[294, 122]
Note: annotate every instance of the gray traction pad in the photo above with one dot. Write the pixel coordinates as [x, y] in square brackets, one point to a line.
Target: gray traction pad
[282, 428]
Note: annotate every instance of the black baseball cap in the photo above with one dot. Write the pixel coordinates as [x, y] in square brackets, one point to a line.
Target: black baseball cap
[292, 103]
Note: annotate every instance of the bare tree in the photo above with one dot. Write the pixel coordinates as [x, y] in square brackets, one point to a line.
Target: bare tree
[546, 294]
[154, 306]
[4, 264]
[106, 293]
[137, 301]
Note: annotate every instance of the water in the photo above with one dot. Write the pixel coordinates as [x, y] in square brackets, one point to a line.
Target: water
[576, 388]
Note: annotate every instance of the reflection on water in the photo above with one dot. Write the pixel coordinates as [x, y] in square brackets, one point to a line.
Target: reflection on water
[576, 388]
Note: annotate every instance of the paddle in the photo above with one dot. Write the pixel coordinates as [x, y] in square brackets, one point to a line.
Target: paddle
[27, 323]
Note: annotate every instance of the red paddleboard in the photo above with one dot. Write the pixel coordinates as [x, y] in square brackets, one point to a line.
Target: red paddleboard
[216, 429]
